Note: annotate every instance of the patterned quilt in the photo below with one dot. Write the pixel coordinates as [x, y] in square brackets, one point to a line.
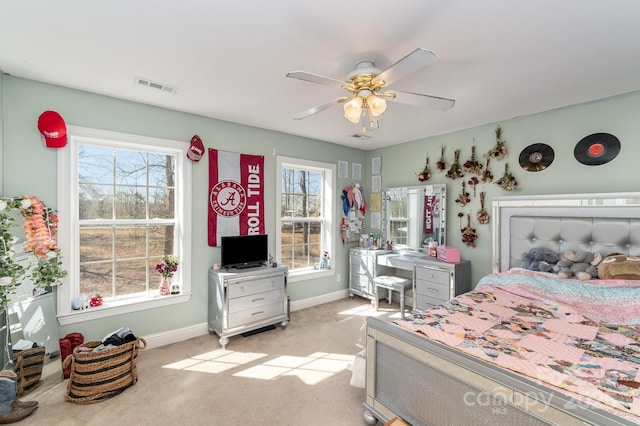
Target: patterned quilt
[581, 336]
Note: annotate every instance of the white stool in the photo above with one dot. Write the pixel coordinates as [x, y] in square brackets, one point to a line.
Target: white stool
[391, 283]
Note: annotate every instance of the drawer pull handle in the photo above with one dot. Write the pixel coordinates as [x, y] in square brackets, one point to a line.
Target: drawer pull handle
[258, 313]
[433, 290]
[257, 300]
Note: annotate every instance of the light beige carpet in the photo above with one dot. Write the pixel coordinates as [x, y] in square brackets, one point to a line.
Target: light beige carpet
[295, 376]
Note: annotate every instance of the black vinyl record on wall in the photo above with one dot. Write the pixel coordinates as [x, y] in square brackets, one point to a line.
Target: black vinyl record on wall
[536, 157]
[597, 149]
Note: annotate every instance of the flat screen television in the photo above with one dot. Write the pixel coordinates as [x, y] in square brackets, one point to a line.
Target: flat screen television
[243, 251]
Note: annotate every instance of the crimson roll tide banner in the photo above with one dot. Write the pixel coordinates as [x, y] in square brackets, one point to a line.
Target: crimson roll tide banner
[431, 211]
[236, 195]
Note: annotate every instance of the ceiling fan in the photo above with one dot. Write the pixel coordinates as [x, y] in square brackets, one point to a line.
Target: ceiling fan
[365, 84]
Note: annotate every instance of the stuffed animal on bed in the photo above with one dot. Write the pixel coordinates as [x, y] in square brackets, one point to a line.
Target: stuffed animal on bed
[539, 259]
[619, 267]
[578, 264]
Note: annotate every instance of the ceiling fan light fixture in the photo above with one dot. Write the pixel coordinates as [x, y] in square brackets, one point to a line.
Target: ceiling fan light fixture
[367, 99]
[376, 105]
[353, 110]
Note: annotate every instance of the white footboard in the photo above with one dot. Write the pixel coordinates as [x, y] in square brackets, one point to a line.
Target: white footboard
[426, 383]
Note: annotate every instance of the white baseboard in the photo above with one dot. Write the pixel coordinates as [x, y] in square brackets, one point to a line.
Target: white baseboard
[318, 300]
[181, 334]
[176, 336]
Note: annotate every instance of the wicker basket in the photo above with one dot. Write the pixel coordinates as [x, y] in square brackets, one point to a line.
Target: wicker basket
[27, 365]
[96, 376]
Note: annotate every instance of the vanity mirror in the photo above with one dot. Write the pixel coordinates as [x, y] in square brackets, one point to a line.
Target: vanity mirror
[412, 214]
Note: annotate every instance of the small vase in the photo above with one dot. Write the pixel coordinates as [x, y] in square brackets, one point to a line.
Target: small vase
[165, 287]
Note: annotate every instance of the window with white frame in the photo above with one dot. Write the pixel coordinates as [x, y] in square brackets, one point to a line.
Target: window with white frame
[124, 203]
[398, 219]
[305, 212]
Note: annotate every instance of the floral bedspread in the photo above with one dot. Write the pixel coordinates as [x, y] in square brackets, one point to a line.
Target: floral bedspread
[581, 336]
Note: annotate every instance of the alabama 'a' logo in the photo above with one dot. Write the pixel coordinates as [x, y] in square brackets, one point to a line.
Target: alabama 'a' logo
[228, 198]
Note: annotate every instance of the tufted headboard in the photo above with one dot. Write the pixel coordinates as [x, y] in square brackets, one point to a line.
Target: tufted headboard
[604, 223]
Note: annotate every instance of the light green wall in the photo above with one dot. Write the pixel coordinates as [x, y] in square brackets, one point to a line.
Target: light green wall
[562, 129]
[30, 168]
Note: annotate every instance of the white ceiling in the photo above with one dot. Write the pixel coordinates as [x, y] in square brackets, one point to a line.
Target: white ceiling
[228, 59]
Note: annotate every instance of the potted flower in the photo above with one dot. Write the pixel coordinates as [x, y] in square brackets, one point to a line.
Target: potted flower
[167, 268]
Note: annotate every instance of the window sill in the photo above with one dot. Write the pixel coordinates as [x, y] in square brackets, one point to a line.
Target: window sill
[109, 309]
[308, 274]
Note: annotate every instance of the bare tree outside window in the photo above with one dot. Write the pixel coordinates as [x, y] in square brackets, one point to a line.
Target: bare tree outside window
[302, 217]
[127, 218]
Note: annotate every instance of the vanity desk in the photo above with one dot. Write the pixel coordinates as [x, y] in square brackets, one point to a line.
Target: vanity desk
[412, 217]
[363, 268]
[434, 281]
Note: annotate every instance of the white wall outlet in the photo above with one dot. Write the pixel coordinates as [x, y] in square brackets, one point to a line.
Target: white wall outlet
[338, 277]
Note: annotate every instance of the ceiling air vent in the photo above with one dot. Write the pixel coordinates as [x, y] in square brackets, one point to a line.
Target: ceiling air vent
[360, 136]
[155, 85]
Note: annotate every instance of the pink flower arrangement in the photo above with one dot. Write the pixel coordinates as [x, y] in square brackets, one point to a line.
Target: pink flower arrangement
[40, 227]
[168, 266]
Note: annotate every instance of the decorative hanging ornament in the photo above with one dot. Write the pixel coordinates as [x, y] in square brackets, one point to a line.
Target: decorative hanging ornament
[499, 151]
[472, 165]
[455, 171]
[469, 235]
[483, 214]
[441, 165]
[507, 181]
[463, 199]
[487, 176]
[473, 182]
[425, 174]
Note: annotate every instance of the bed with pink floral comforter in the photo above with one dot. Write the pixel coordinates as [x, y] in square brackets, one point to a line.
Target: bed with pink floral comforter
[581, 336]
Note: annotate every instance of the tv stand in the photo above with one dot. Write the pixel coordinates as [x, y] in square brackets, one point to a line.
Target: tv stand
[242, 300]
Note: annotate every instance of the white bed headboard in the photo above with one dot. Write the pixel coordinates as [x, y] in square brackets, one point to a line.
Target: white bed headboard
[603, 223]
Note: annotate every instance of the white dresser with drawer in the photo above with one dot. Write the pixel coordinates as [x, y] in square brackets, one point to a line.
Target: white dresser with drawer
[244, 300]
[435, 282]
[363, 268]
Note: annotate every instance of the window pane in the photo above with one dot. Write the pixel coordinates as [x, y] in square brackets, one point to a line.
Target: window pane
[95, 201]
[301, 194]
[131, 277]
[130, 167]
[130, 202]
[95, 164]
[398, 208]
[398, 231]
[301, 246]
[131, 242]
[161, 205]
[96, 244]
[161, 170]
[161, 240]
[96, 278]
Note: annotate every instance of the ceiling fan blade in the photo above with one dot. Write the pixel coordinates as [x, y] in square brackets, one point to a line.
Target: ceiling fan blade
[425, 101]
[316, 109]
[411, 63]
[315, 78]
